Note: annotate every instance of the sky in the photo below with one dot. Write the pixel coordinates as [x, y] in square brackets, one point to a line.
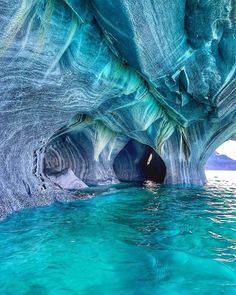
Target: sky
[228, 148]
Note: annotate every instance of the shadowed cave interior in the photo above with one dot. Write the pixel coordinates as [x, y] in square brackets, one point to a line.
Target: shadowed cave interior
[139, 162]
[69, 161]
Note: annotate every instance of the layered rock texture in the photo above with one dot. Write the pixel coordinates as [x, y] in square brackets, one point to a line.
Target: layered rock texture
[97, 92]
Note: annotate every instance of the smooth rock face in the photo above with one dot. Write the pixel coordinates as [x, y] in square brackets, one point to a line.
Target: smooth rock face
[83, 80]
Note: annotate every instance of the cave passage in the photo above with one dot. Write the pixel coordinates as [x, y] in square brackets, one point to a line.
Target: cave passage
[69, 162]
[139, 162]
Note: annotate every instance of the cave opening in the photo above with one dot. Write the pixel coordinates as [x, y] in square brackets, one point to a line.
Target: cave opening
[138, 162]
[223, 158]
[70, 161]
[222, 162]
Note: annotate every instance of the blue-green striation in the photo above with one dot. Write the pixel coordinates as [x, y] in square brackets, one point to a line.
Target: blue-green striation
[81, 80]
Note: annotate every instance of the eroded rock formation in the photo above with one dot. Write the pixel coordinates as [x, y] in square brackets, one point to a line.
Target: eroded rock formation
[94, 92]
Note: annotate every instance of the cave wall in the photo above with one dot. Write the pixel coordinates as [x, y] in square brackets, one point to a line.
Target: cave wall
[80, 79]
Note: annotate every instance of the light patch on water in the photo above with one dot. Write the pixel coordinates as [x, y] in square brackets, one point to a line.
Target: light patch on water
[219, 176]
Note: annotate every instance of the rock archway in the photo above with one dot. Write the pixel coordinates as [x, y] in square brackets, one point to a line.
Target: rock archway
[165, 79]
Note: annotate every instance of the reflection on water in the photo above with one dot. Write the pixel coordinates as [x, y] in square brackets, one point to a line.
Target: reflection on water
[221, 177]
[163, 240]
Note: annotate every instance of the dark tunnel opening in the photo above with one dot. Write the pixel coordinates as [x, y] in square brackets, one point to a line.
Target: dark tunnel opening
[139, 162]
[69, 161]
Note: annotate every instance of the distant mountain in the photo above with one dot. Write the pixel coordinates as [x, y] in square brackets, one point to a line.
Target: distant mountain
[220, 162]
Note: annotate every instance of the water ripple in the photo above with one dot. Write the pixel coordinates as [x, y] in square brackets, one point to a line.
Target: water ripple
[136, 240]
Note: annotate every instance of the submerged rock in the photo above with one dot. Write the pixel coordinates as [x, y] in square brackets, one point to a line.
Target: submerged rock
[82, 80]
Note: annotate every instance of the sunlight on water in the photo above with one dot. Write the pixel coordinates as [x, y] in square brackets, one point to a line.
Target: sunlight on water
[163, 240]
[215, 176]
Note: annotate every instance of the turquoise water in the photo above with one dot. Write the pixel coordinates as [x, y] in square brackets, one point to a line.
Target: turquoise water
[126, 241]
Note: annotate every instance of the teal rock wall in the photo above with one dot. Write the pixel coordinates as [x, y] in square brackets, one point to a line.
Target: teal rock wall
[97, 92]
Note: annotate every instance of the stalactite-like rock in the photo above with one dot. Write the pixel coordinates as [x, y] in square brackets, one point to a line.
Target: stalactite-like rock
[85, 82]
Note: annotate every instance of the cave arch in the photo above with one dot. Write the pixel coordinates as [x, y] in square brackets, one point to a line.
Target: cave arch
[71, 160]
[139, 162]
[72, 157]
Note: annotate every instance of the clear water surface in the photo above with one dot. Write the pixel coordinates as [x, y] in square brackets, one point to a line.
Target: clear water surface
[126, 241]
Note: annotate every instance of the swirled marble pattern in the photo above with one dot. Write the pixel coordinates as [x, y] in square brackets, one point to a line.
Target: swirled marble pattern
[83, 81]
